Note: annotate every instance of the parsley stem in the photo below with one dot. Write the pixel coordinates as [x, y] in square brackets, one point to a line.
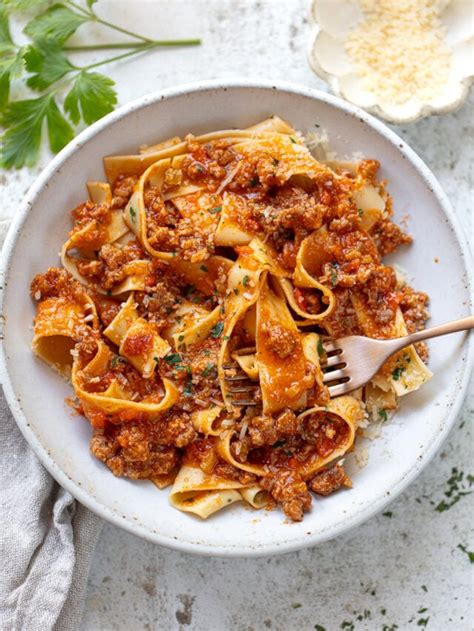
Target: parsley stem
[93, 17]
[117, 57]
[121, 30]
[171, 42]
[81, 9]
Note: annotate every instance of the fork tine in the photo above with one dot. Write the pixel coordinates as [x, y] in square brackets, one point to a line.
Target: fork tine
[329, 346]
[340, 389]
[247, 388]
[335, 375]
[333, 360]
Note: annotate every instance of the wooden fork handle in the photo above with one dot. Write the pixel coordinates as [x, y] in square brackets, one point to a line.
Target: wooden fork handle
[463, 324]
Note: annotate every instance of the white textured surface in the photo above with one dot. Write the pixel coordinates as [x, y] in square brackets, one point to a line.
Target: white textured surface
[383, 564]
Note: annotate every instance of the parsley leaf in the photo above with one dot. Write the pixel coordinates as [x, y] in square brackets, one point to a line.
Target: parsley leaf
[11, 59]
[216, 209]
[245, 280]
[48, 62]
[24, 122]
[383, 414]
[22, 5]
[57, 23]
[174, 358]
[94, 93]
[60, 131]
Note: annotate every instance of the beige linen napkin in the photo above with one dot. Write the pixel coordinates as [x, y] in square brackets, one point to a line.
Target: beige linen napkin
[46, 541]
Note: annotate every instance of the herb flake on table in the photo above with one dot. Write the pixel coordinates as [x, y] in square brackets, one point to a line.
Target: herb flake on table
[459, 485]
[467, 552]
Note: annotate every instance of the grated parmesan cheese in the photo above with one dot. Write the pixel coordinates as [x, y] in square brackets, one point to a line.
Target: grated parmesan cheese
[398, 49]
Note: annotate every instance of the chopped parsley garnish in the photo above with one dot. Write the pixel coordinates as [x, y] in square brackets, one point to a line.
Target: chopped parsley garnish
[216, 209]
[116, 360]
[278, 443]
[347, 624]
[360, 211]
[217, 329]
[180, 338]
[226, 337]
[292, 139]
[204, 268]
[466, 551]
[333, 275]
[321, 350]
[388, 513]
[296, 605]
[133, 213]
[254, 181]
[188, 389]
[276, 162]
[245, 280]
[208, 369]
[383, 415]
[424, 588]
[422, 622]
[397, 373]
[174, 358]
[319, 627]
[236, 291]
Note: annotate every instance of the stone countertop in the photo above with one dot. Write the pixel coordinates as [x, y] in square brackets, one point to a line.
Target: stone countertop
[403, 569]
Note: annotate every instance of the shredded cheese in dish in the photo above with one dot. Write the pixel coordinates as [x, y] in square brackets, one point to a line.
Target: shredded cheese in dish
[399, 51]
[220, 260]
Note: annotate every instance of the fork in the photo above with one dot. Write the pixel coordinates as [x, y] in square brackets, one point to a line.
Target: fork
[352, 361]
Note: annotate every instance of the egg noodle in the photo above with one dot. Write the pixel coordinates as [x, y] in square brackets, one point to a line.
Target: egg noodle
[220, 260]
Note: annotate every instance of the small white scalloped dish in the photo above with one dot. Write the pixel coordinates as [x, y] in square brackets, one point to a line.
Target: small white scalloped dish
[329, 60]
[437, 263]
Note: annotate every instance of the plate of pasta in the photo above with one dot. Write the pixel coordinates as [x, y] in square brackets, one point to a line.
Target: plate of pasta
[169, 285]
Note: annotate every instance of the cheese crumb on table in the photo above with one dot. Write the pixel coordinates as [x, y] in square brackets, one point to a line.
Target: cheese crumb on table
[398, 49]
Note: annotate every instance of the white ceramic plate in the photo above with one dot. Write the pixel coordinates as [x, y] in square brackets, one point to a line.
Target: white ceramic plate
[36, 394]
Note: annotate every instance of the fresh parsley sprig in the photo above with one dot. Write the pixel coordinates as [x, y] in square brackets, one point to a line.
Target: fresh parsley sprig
[69, 93]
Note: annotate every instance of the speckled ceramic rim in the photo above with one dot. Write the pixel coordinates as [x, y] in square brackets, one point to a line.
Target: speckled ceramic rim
[136, 529]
